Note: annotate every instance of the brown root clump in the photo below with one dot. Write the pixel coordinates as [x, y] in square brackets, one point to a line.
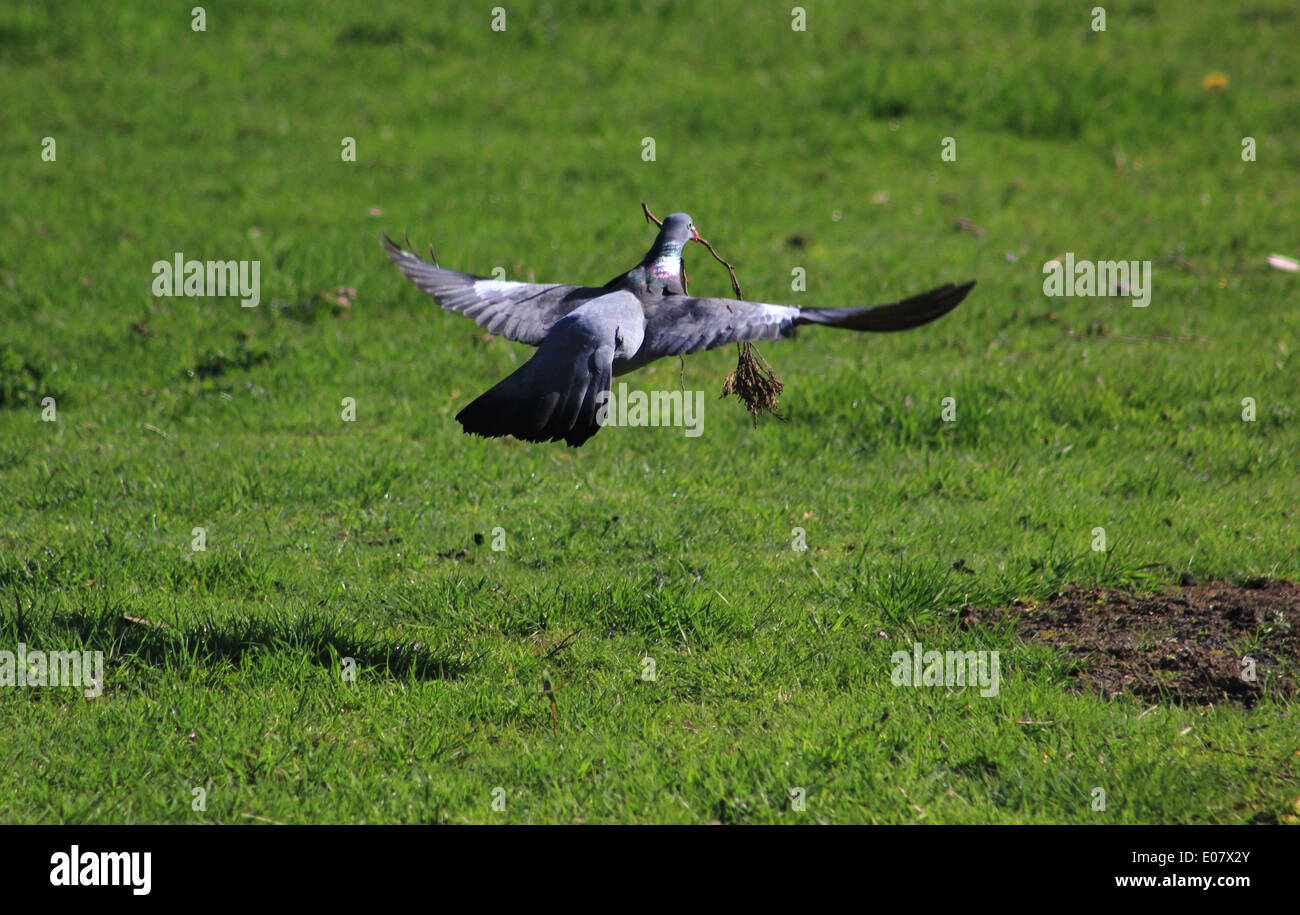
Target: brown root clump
[757, 385]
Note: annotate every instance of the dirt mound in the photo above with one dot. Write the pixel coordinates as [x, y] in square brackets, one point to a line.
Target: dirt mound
[1193, 644]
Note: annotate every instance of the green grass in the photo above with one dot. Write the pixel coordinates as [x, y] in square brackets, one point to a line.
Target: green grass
[522, 149]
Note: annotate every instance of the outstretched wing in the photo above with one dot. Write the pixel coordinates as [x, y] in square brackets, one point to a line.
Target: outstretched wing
[559, 392]
[904, 315]
[678, 325]
[522, 312]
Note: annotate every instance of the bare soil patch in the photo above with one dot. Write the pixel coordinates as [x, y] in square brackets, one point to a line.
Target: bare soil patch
[1185, 645]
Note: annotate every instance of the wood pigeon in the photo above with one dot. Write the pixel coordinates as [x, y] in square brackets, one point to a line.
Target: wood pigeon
[585, 335]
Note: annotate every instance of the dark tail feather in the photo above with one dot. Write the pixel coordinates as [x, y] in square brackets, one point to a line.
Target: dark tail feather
[585, 426]
[531, 406]
[913, 312]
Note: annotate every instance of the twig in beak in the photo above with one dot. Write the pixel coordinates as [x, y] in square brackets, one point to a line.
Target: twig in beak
[755, 384]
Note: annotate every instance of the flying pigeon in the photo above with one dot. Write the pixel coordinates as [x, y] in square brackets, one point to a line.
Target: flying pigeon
[585, 335]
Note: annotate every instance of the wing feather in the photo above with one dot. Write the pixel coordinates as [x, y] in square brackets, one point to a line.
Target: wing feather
[680, 325]
[523, 312]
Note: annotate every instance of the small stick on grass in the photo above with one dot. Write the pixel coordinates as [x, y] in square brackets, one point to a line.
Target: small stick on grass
[755, 384]
[549, 692]
[563, 644]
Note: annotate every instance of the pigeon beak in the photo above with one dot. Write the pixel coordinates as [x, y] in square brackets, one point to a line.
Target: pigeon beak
[695, 236]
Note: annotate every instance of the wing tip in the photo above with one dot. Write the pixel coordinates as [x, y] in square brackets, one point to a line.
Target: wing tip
[911, 312]
[960, 291]
[398, 252]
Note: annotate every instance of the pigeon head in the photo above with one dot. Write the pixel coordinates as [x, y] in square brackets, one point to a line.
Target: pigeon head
[664, 259]
[676, 231]
[663, 262]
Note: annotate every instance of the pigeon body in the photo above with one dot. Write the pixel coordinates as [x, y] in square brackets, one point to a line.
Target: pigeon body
[586, 335]
[558, 392]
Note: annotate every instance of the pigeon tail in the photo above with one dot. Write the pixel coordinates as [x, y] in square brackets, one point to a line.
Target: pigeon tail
[526, 406]
[557, 394]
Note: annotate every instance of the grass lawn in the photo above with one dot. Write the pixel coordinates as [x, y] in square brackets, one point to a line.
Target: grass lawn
[366, 636]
